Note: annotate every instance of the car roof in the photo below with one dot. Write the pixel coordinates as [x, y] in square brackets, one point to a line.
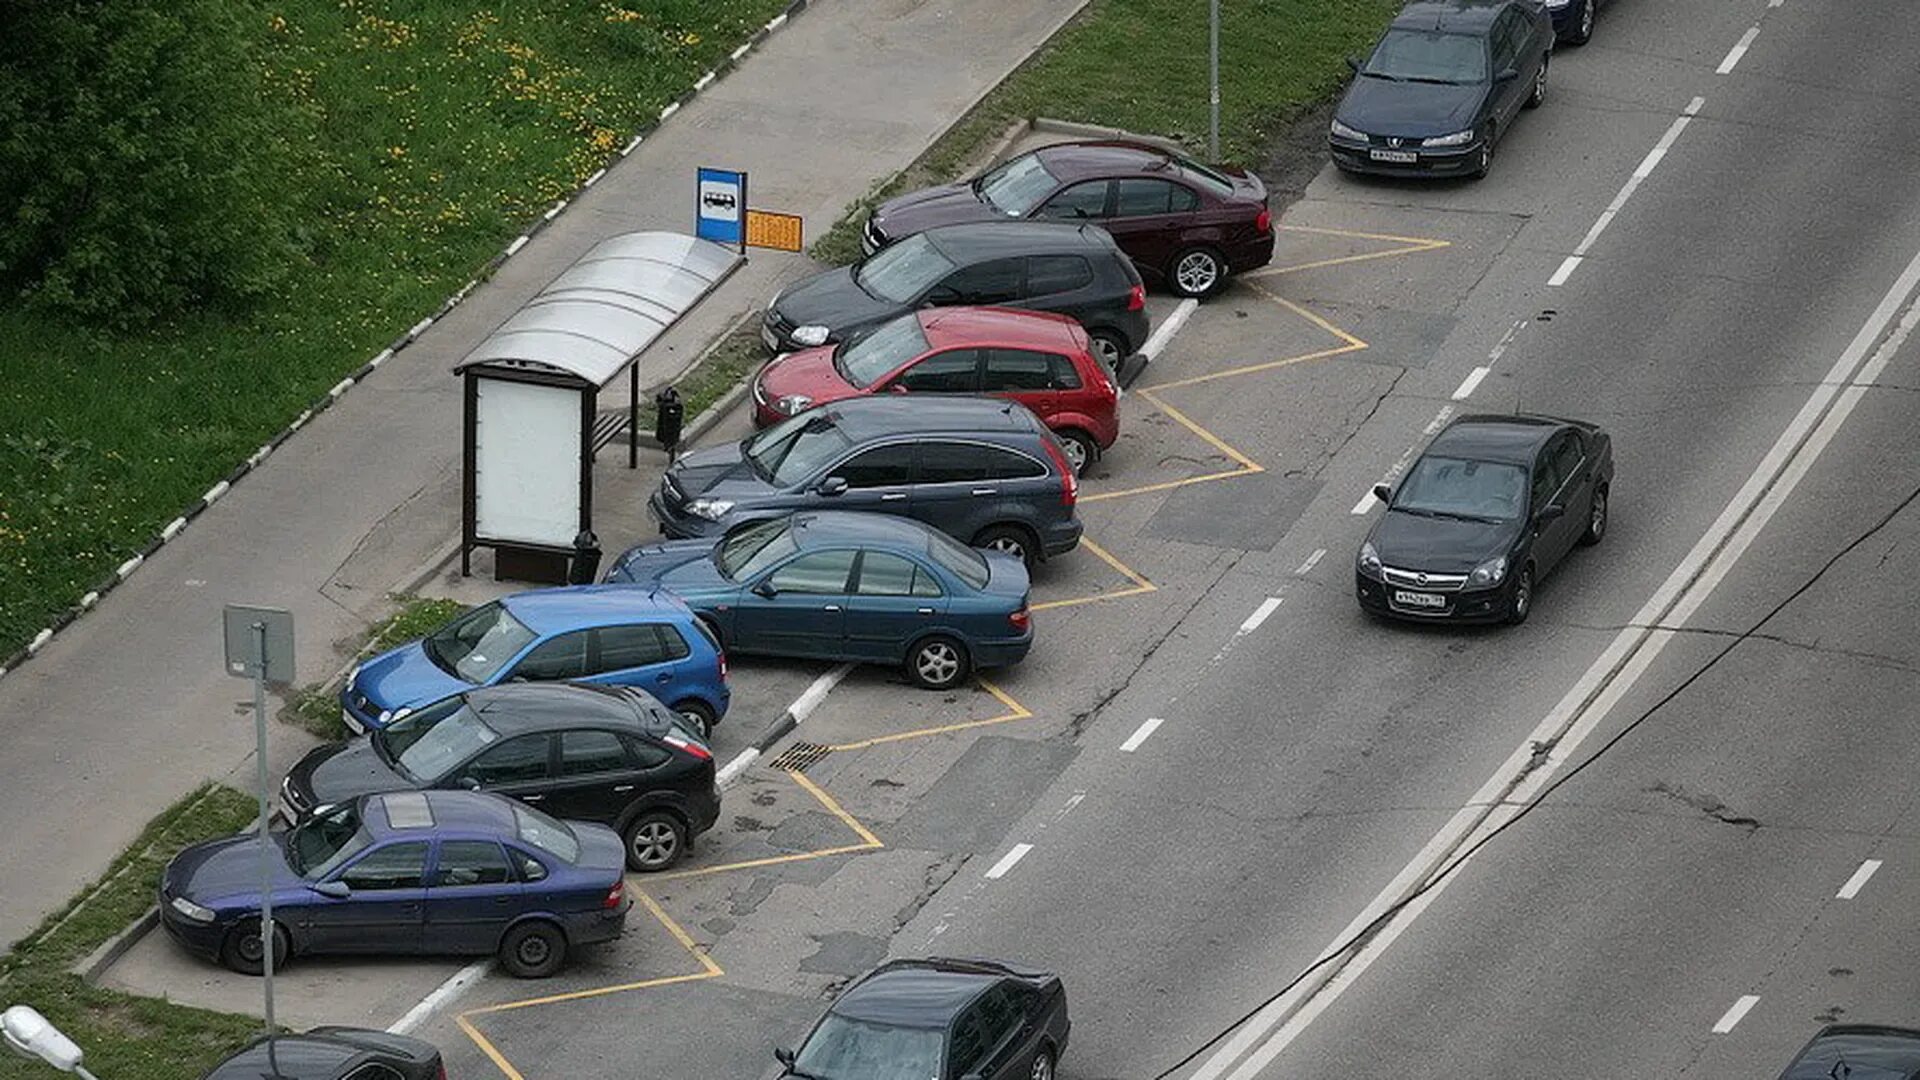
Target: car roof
[861, 418]
[816, 528]
[320, 1054]
[1513, 439]
[517, 708]
[912, 995]
[1871, 1051]
[569, 607]
[948, 326]
[408, 812]
[973, 241]
[1451, 16]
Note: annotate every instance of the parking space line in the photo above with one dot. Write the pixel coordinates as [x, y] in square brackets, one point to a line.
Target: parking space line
[836, 809]
[1735, 1013]
[868, 841]
[1254, 369]
[1414, 245]
[1015, 711]
[1140, 734]
[1139, 584]
[1007, 861]
[1215, 441]
[1858, 881]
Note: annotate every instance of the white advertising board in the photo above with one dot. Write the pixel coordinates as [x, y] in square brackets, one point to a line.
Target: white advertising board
[526, 462]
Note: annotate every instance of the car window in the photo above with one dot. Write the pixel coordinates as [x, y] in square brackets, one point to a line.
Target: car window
[754, 548]
[645, 753]
[478, 644]
[525, 865]
[545, 833]
[590, 753]
[883, 573]
[1012, 370]
[1546, 479]
[900, 272]
[673, 644]
[971, 1043]
[999, 1013]
[1065, 375]
[960, 560]
[471, 862]
[864, 359]
[1050, 274]
[1510, 37]
[996, 281]
[842, 1047]
[1183, 199]
[1087, 199]
[881, 466]
[1140, 197]
[1439, 486]
[429, 743]
[955, 371]
[516, 761]
[1566, 455]
[324, 841]
[622, 647]
[394, 866]
[1428, 56]
[785, 455]
[560, 657]
[819, 572]
[1014, 187]
[953, 463]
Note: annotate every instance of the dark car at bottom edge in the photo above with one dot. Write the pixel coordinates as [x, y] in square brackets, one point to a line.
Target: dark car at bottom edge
[333, 1053]
[1858, 1052]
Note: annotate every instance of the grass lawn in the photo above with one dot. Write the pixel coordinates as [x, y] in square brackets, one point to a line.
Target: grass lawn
[126, 1037]
[317, 708]
[1142, 65]
[434, 132]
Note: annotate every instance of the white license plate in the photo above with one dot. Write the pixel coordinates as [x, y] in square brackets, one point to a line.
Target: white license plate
[766, 335]
[1403, 157]
[1419, 599]
[353, 723]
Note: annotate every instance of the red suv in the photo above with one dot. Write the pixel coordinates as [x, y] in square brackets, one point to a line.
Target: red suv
[1043, 361]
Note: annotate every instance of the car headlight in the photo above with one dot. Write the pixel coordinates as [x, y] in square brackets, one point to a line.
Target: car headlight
[353, 676]
[711, 509]
[1342, 131]
[1557, 4]
[793, 403]
[1491, 572]
[1369, 561]
[1458, 138]
[192, 910]
[386, 717]
[810, 335]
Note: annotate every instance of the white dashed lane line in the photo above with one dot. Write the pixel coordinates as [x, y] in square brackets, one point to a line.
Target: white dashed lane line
[1739, 50]
[1735, 1013]
[1858, 881]
[1470, 383]
[1259, 615]
[1640, 173]
[1312, 561]
[1140, 734]
[1007, 861]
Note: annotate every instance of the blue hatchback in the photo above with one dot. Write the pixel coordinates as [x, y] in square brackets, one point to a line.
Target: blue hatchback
[612, 635]
[460, 873]
[838, 585]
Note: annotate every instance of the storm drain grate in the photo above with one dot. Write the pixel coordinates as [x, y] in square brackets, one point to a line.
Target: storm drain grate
[801, 756]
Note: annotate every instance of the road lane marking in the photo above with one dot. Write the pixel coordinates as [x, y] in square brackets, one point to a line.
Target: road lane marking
[1259, 615]
[999, 869]
[1365, 504]
[1739, 50]
[1567, 266]
[1858, 881]
[1735, 1013]
[1470, 383]
[1640, 173]
[1140, 734]
[1523, 776]
[1433, 428]
[1312, 561]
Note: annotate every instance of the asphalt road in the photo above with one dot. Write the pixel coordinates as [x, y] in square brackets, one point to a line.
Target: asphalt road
[1178, 874]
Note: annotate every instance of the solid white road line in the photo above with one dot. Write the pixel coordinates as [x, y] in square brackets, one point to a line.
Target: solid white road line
[1259, 615]
[1567, 266]
[1523, 776]
[1470, 383]
[1163, 333]
[735, 767]
[1006, 862]
[1858, 881]
[1739, 50]
[1735, 1013]
[446, 992]
[1312, 561]
[1140, 734]
[1365, 504]
[804, 705]
[1640, 173]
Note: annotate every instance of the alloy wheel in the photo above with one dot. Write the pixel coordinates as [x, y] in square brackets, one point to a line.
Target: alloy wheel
[1197, 273]
[1108, 352]
[1011, 544]
[655, 844]
[1586, 20]
[1042, 1067]
[1597, 517]
[1076, 452]
[937, 662]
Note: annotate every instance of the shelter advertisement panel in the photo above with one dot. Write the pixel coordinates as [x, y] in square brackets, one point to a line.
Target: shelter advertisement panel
[526, 462]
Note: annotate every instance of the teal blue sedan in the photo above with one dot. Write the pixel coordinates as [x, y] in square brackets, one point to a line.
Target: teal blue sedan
[838, 585]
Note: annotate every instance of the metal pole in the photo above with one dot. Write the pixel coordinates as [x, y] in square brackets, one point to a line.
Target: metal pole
[266, 839]
[81, 1072]
[1213, 81]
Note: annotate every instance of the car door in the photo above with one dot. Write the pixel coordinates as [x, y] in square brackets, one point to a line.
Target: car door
[994, 281]
[470, 898]
[563, 656]
[799, 608]
[877, 478]
[1086, 201]
[631, 655]
[518, 768]
[1025, 376]
[384, 913]
[596, 779]
[1509, 38]
[952, 371]
[1576, 469]
[894, 600]
[1547, 534]
[1061, 284]
[1149, 216]
[991, 1039]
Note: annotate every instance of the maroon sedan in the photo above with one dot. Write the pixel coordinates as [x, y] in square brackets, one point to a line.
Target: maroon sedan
[1182, 222]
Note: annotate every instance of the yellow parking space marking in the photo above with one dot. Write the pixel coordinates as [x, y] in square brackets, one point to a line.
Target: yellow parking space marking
[838, 811]
[1015, 711]
[1254, 369]
[1139, 585]
[1411, 245]
[1247, 466]
[1312, 317]
[868, 841]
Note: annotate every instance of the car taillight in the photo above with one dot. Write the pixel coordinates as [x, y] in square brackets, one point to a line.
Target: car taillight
[723, 667]
[689, 746]
[1263, 223]
[440, 1071]
[1021, 619]
[1069, 484]
[1136, 298]
[615, 895]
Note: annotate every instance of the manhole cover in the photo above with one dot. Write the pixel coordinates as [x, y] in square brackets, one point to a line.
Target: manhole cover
[801, 756]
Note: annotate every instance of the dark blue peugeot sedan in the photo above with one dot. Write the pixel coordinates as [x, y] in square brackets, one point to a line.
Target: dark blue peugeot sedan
[460, 873]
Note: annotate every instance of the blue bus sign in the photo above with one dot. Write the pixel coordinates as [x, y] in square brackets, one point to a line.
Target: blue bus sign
[720, 207]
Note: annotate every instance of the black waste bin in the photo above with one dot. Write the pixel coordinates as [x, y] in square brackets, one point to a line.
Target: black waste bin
[586, 559]
[668, 416]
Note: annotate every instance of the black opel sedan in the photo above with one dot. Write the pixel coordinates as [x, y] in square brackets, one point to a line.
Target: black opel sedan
[1488, 510]
[333, 1053]
[1441, 87]
[1858, 1052]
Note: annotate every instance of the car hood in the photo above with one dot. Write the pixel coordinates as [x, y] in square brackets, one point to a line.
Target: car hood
[344, 770]
[948, 204]
[718, 472]
[1439, 545]
[834, 300]
[1415, 110]
[405, 677]
[218, 869]
[684, 566]
[810, 372]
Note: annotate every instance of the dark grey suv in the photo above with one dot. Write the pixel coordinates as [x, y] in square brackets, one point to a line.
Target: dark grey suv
[1075, 270]
[984, 471]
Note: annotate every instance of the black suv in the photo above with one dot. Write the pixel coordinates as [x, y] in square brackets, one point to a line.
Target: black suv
[985, 471]
[1075, 270]
[611, 754]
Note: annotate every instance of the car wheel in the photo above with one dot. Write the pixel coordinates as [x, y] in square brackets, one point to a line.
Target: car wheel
[1110, 348]
[1582, 25]
[938, 663]
[1596, 518]
[1011, 539]
[697, 713]
[1080, 449]
[1197, 272]
[1042, 1065]
[1520, 602]
[533, 950]
[1539, 93]
[655, 841]
[244, 950]
[1483, 164]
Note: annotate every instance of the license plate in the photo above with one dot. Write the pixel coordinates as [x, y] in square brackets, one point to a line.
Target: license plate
[1419, 599]
[353, 722]
[1404, 157]
[766, 335]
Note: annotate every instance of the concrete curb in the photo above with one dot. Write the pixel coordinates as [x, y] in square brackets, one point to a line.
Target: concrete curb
[117, 946]
[1078, 130]
[174, 528]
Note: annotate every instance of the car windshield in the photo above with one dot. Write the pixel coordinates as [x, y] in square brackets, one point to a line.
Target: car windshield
[754, 548]
[960, 560]
[795, 448]
[427, 745]
[845, 1049]
[1458, 488]
[322, 842]
[475, 646]
[1017, 186]
[865, 360]
[902, 272]
[543, 832]
[1428, 56]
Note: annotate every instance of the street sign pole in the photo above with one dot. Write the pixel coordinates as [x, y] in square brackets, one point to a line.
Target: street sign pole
[259, 629]
[1213, 81]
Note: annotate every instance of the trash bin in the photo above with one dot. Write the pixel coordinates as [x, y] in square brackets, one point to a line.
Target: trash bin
[668, 416]
[586, 559]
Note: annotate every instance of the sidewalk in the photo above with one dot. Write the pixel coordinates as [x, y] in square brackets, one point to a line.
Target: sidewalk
[130, 707]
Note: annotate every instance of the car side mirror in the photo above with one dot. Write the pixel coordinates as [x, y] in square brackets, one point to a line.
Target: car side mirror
[832, 486]
[1507, 75]
[468, 783]
[940, 294]
[766, 590]
[337, 890]
[784, 1055]
[1550, 512]
[898, 388]
[1383, 492]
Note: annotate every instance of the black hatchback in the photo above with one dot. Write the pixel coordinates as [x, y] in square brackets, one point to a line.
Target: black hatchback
[333, 1053]
[613, 755]
[1075, 270]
